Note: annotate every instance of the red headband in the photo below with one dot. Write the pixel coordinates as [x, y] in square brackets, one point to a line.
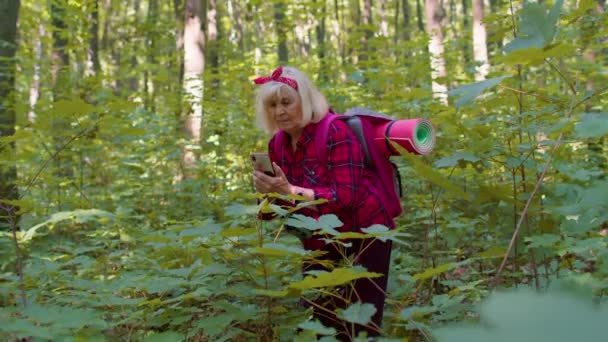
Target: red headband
[276, 77]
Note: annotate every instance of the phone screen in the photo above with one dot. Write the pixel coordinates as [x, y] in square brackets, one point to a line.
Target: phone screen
[261, 161]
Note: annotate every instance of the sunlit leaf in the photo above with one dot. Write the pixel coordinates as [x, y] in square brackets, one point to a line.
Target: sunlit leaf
[431, 272]
[238, 232]
[338, 276]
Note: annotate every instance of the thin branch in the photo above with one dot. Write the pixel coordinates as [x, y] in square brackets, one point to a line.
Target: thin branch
[523, 92]
[19, 262]
[525, 212]
[52, 157]
[568, 81]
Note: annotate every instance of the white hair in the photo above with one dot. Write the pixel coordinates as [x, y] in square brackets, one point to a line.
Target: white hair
[314, 105]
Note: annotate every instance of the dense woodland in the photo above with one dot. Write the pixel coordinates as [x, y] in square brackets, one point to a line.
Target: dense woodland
[126, 205]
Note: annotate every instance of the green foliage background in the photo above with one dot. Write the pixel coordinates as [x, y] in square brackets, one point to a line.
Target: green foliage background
[113, 247]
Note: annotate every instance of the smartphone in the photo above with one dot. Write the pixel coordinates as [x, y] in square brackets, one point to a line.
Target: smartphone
[261, 161]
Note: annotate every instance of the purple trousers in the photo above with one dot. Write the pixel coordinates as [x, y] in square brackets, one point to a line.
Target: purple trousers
[375, 256]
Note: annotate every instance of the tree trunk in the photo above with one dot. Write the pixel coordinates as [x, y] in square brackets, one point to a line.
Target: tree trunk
[60, 57]
[466, 49]
[419, 16]
[434, 17]
[194, 66]
[366, 16]
[383, 20]
[212, 44]
[238, 25]
[93, 66]
[279, 17]
[480, 49]
[35, 86]
[9, 10]
[62, 89]
[320, 31]
[338, 29]
[406, 19]
[595, 147]
[150, 45]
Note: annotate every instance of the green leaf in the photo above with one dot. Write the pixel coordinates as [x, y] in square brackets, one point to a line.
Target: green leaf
[455, 158]
[504, 317]
[79, 216]
[317, 327]
[414, 312]
[428, 173]
[325, 223]
[167, 336]
[537, 28]
[358, 313]
[592, 125]
[272, 293]
[469, 92]
[237, 209]
[213, 326]
[535, 55]
[338, 276]
[64, 317]
[431, 272]
[544, 240]
[238, 232]
[277, 249]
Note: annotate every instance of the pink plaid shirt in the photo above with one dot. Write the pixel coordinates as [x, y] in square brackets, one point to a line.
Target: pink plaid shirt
[349, 188]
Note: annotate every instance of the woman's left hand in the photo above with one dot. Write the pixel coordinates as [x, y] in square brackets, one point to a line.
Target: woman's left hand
[266, 184]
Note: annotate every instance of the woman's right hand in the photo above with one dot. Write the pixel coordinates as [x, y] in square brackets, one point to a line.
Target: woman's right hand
[266, 184]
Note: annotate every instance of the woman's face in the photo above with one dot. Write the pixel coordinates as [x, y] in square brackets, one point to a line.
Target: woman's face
[286, 110]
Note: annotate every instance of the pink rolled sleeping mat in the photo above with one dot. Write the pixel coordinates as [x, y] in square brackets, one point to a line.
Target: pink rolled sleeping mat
[415, 135]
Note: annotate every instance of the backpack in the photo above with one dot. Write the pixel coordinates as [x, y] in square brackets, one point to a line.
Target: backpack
[361, 122]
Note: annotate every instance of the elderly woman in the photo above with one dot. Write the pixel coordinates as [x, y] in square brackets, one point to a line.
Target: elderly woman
[290, 107]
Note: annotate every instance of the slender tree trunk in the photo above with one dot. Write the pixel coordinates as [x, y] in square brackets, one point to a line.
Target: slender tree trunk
[434, 17]
[35, 86]
[466, 49]
[480, 49]
[366, 16]
[406, 19]
[178, 11]
[9, 11]
[338, 29]
[592, 48]
[150, 45]
[353, 51]
[383, 19]
[419, 16]
[320, 31]
[279, 17]
[238, 24]
[213, 45]
[60, 57]
[93, 66]
[194, 66]
[62, 89]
